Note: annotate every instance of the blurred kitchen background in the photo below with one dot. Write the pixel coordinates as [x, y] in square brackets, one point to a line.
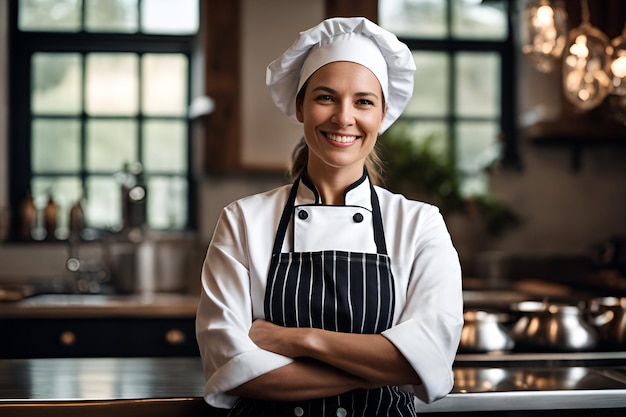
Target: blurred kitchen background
[127, 125]
[125, 130]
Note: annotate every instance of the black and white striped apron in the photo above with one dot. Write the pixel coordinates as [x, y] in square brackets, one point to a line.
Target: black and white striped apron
[332, 290]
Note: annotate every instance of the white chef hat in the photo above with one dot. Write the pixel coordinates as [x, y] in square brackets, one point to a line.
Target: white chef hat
[354, 39]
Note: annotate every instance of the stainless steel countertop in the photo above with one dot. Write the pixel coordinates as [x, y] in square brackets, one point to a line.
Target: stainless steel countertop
[102, 305]
[494, 389]
[180, 380]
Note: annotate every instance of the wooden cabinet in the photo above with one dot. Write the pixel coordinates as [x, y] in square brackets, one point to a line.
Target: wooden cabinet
[97, 337]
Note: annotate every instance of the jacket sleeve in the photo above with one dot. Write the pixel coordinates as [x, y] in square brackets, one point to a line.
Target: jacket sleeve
[430, 323]
[229, 357]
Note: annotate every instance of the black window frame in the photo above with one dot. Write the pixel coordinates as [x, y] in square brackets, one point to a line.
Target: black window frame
[508, 98]
[21, 46]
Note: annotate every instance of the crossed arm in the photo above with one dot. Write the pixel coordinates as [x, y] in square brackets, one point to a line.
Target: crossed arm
[325, 363]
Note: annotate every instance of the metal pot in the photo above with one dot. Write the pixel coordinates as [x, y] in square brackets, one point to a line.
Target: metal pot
[554, 327]
[483, 331]
[609, 315]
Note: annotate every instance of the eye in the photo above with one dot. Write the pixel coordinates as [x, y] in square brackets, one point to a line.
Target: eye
[324, 98]
[364, 102]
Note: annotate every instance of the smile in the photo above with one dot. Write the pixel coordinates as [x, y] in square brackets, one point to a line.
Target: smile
[341, 138]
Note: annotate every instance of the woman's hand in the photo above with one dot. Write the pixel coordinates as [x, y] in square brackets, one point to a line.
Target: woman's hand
[277, 339]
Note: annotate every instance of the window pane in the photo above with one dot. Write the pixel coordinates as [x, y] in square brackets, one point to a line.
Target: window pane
[111, 16]
[103, 203]
[164, 84]
[430, 93]
[56, 87]
[55, 145]
[167, 203]
[479, 20]
[476, 143]
[112, 86]
[49, 15]
[65, 192]
[435, 135]
[477, 148]
[110, 144]
[165, 146]
[478, 84]
[414, 18]
[165, 16]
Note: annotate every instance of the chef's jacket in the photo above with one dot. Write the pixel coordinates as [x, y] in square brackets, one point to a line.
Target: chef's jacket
[428, 315]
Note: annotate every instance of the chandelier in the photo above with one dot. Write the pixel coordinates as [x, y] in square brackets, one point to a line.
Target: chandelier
[593, 68]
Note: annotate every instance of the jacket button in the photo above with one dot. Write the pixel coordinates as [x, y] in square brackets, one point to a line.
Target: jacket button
[341, 412]
[303, 215]
[298, 411]
[358, 218]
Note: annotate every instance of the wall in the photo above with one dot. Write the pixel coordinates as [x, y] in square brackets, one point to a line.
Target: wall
[564, 212]
[269, 27]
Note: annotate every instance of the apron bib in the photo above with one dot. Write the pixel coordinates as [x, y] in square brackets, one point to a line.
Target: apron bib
[349, 292]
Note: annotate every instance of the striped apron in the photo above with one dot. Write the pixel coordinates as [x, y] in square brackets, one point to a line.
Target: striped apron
[332, 290]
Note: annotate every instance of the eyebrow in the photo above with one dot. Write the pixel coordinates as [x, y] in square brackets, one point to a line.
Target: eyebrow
[333, 91]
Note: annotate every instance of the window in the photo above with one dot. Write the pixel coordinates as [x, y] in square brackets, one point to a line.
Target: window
[99, 96]
[463, 96]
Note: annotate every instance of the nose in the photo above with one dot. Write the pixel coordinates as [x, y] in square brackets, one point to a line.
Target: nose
[343, 115]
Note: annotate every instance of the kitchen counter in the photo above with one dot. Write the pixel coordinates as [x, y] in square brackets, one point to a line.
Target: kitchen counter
[80, 325]
[102, 387]
[102, 305]
[173, 386]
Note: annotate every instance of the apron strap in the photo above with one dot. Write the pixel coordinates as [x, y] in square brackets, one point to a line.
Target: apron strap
[284, 218]
[377, 219]
[379, 233]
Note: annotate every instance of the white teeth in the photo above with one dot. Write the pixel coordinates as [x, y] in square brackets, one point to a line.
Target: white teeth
[342, 139]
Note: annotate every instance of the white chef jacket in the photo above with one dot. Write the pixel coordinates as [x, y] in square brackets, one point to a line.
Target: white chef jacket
[428, 315]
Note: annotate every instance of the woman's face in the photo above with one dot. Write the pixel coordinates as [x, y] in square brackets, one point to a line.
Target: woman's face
[342, 112]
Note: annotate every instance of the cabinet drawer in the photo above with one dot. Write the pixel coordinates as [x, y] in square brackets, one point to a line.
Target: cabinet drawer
[106, 337]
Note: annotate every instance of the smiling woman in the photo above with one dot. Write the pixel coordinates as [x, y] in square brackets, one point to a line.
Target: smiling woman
[342, 112]
[357, 309]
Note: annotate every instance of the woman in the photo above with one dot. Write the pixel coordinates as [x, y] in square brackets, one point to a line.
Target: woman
[332, 296]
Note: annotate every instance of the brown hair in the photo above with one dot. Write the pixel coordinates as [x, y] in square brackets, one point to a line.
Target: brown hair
[300, 155]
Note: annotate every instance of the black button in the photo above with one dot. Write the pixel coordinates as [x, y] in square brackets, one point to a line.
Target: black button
[358, 218]
[303, 214]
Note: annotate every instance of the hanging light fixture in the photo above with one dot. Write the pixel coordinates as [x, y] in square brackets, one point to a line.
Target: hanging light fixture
[586, 80]
[617, 98]
[544, 33]
[592, 68]
[617, 52]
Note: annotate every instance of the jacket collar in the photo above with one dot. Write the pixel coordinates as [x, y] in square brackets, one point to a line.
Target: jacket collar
[357, 194]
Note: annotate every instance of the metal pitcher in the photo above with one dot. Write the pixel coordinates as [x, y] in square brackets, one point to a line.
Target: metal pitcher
[554, 327]
[483, 331]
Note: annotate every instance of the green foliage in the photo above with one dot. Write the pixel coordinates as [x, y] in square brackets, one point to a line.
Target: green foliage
[418, 169]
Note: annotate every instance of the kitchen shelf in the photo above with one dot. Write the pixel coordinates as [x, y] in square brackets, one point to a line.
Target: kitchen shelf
[576, 134]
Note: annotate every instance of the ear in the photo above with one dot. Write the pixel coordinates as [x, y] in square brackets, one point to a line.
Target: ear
[383, 118]
[299, 111]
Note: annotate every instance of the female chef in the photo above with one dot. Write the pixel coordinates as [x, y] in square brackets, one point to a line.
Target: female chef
[332, 296]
